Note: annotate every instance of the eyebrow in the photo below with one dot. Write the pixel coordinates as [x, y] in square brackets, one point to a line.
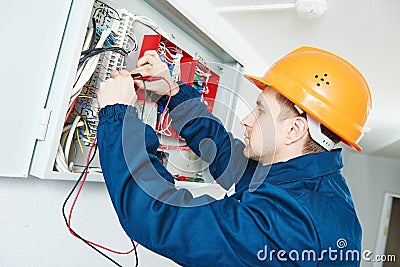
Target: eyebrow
[259, 103]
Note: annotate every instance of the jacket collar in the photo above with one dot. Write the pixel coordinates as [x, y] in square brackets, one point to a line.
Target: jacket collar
[301, 168]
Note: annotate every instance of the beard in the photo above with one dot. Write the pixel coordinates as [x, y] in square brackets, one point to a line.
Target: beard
[265, 156]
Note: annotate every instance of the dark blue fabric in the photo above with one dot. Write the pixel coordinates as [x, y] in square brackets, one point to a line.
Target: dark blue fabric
[300, 205]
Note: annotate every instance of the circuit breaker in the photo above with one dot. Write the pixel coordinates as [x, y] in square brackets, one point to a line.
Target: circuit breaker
[102, 36]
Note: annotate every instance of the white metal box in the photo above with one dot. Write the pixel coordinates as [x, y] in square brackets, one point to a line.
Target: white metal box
[43, 91]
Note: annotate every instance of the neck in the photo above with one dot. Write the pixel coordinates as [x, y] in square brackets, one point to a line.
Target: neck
[286, 154]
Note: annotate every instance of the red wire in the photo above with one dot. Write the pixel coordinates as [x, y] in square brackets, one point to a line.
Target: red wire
[73, 205]
[86, 173]
[171, 147]
[157, 79]
[170, 91]
[169, 86]
[70, 110]
[90, 86]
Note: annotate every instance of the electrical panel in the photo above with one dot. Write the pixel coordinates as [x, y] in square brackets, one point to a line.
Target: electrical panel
[183, 67]
[101, 37]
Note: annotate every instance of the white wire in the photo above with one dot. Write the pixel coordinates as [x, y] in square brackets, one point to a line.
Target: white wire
[205, 75]
[150, 23]
[89, 67]
[164, 49]
[164, 130]
[175, 62]
[68, 127]
[59, 168]
[71, 133]
[88, 39]
[85, 47]
[205, 88]
[84, 74]
[95, 170]
[176, 71]
[60, 160]
[134, 39]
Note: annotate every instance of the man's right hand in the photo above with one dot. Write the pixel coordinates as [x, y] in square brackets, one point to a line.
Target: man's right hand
[159, 80]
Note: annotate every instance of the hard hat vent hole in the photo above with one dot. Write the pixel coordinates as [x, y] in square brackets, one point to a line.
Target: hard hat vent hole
[321, 79]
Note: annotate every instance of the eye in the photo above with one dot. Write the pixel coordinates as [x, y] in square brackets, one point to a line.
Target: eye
[259, 111]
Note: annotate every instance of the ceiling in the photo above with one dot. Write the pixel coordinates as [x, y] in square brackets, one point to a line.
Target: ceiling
[365, 32]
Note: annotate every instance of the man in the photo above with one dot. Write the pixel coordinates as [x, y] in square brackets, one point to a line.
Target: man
[291, 207]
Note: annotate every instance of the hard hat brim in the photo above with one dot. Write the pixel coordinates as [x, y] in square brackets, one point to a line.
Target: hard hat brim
[257, 81]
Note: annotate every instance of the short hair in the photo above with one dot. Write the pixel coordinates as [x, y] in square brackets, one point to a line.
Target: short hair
[289, 111]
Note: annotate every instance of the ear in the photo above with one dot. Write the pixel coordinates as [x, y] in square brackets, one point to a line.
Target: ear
[297, 130]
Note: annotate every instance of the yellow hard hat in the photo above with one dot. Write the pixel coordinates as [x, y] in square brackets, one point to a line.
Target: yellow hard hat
[325, 86]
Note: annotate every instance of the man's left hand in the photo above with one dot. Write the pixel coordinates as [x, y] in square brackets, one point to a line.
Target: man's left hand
[119, 89]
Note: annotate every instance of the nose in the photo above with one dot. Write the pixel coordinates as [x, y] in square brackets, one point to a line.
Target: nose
[248, 121]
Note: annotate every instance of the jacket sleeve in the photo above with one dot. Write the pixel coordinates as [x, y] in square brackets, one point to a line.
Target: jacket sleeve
[207, 137]
[190, 231]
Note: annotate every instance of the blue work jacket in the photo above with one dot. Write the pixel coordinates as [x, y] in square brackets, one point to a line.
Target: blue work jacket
[294, 213]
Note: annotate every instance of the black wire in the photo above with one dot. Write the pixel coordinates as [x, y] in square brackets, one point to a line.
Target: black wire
[93, 39]
[107, 12]
[102, 49]
[96, 52]
[65, 217]
[105, 49]
[91, 46]
[86, 54]
[134, 75]
[136, 254]
[136, 45]
[119, 17]
[145, 95]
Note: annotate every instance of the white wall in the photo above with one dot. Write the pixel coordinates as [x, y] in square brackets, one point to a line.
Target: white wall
[33, 233]
[369, 177]
[205, 16]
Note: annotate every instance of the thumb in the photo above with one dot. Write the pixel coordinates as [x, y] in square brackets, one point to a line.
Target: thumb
[138, 84]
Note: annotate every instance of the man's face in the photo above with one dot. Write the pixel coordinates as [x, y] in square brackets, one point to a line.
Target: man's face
[263, 133]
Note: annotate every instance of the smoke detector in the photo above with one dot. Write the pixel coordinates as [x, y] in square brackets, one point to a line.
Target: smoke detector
[311, 9]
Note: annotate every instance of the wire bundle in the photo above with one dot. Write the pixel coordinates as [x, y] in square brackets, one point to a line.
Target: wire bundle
[164, 124]
[89, 61]
[83, 128]
[81, 180]
[149, 23]
[173, 60]
[206, 76]
[81, 120]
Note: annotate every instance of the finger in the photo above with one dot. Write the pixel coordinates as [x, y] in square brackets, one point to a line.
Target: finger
[151, 53]
[124, 73]
[157, 86]
[148, 59]
[143, 70]
[114, 74]
[138, 84]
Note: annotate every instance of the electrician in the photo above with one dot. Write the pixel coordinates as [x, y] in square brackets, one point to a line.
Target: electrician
[291, 207]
